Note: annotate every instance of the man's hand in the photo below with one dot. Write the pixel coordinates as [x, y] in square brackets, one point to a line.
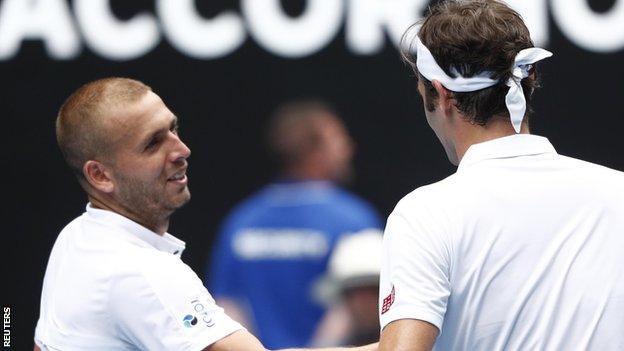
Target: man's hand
[371, 347]
[408, 335]
[242, 340]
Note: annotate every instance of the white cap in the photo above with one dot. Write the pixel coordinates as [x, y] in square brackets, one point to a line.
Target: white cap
[355, 262]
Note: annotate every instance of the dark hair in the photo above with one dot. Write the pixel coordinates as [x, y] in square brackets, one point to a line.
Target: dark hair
[472, 37]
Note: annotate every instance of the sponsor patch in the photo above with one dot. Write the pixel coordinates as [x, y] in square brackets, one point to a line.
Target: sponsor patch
[387, 302]
[201, 312]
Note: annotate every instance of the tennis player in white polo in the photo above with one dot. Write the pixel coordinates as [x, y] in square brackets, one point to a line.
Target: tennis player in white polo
[521, 248]
[114, 279]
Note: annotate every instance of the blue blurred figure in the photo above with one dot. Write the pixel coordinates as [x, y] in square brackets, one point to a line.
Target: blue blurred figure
[274, 245]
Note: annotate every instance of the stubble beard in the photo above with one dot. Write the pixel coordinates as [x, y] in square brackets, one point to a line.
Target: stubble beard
[148, 202]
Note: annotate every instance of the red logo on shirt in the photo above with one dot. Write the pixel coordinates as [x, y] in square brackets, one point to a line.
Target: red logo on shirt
[387, 302]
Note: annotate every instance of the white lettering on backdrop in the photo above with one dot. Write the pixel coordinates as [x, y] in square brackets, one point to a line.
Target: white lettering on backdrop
[47, 20]
[293, 37]
[111, 38]
[598, 32]
[368, 25]
[368, 20]
[198, 37]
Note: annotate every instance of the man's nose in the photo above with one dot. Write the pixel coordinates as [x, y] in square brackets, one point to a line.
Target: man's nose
[180, 152]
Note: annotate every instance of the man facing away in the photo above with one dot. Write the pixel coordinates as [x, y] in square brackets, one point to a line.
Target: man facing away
[275, 244]
[114, 279]
[521, 248]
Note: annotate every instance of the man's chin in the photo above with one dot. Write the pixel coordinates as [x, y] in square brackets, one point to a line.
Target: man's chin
[185, 197]
[178, 201]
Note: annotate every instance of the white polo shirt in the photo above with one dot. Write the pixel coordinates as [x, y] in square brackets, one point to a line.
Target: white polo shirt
[112, 284]
[521, 249]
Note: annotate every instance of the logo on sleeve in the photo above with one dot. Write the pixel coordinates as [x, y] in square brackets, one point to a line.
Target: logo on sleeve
[189, 321]
[387, 302]
[201, 312]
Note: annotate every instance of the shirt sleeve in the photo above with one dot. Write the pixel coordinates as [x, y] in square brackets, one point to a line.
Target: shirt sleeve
[164, 306]
[414, 282]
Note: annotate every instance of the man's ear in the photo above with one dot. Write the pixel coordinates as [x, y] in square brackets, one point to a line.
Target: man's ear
[98, 176]
[445, 99]
[533, 77]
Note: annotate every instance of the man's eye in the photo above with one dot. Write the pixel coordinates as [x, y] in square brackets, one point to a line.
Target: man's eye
[175, 130]
[152, 144]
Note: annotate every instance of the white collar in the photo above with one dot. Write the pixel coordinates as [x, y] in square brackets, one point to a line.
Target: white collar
[166, 242]
[506, 147]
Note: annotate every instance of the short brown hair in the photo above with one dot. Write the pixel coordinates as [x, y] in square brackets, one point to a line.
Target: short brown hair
[80, 129]
[293, 130]
[474, 36]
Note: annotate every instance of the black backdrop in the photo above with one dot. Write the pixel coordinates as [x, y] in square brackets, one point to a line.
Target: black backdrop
[223, 104]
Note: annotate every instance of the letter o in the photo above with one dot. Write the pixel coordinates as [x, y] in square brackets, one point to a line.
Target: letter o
[598, 32]
[293, 37]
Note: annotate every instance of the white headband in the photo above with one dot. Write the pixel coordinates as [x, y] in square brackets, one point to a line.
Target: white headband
[515, 101]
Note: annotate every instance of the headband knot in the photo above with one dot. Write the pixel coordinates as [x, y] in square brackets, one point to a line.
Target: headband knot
[514, 100]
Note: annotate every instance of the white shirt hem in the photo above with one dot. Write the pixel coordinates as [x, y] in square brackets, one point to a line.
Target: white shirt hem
[412, 313]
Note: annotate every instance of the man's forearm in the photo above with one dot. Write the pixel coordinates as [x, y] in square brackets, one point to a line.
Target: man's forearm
[371, 347]
[408, 334]
[242, 340]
